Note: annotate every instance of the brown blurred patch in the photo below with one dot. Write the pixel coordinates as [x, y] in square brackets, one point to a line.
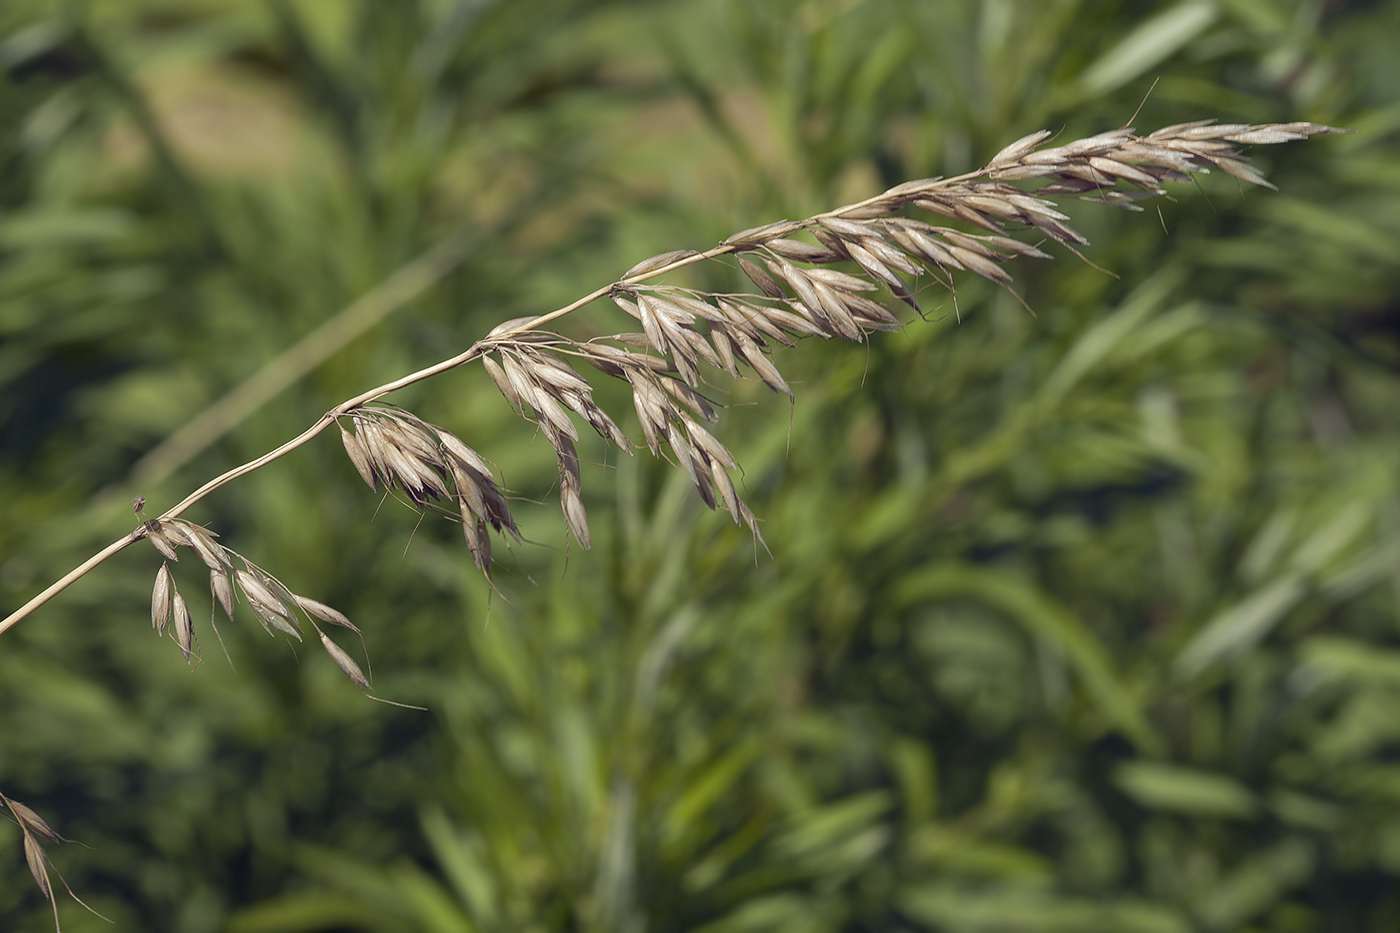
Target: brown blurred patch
[221, 120]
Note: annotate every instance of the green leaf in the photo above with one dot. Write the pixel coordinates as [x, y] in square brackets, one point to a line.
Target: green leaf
[1046, 619]
[1032, 911]
[1185, 790]
[1240, 627]
[1148, 45]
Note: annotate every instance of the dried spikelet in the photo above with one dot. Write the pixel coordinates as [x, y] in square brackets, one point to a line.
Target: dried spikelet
[545, 399]
[31, 821]
[498, 376]
[917, 237]
[756, 235]
[34, 855]
[1245, 172]
[653, 408]
[871, 315]
[874, 265]
[359, 456]
[201, 541]
[621, 299]
[497, 509]
[507, 326]
[977, 262]
[478, 540]
[160, 599]
[39, 865]
[413, 458]
[666, 327]
[575, 514]
[747, 515]
[412, 435]
[692, 305]
[831, 241]
[522, 386]
[835, 310]
[725, 486]
[724, 347]
[759, 277]
[764, 369]
[477, 492]
[1019, 148]
[470, 491]
[706, 442]
[650, 266]
[840, 280]
[267, 605]
[695, 465]
[464, 454]
[908, 189]
[555, 373]
[774, 321]
[751, 320]
[222, 588]
[690, 398]
[802, 252]
[157, 534]
[845, 228]
[183, 626]
[891, 256]
[323, 612]
[798, 281]
[371, 438]
[570, 481]
[343, 661]
[599, 419]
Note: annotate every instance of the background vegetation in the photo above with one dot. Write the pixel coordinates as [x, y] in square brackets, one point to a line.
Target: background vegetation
[1082, 622]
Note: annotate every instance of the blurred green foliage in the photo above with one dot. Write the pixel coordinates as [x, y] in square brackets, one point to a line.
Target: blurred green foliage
[1082, 622]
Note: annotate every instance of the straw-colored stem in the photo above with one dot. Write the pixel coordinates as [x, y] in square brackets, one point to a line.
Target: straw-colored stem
[68, 579]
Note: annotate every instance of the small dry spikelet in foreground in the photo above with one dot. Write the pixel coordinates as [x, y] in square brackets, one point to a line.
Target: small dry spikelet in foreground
[32, 828]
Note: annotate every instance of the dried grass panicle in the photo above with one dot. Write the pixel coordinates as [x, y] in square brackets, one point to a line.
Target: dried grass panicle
[682, 333]
[934, 227]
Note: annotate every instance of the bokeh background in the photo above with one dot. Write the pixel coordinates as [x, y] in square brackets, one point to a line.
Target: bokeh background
[1088, 621]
